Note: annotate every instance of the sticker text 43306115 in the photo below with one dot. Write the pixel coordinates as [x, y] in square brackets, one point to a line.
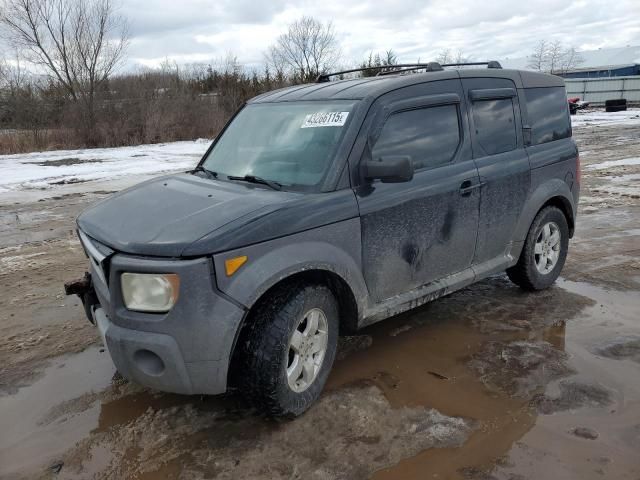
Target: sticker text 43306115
[325, 119]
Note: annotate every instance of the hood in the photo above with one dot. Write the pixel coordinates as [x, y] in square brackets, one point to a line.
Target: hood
[163, 216]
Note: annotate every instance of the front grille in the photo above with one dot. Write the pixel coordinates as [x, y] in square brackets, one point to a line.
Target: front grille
[96, 258]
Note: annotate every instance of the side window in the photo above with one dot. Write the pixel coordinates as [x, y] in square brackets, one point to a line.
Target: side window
[430, 136]
[548, 114]
[495, 125]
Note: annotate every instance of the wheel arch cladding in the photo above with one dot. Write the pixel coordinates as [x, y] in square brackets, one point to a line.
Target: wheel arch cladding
[331, 254]
[347, 306]
[554, 192]
[565, 207]
[335, 248]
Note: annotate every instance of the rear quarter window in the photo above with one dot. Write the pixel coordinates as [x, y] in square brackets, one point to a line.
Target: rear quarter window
[548, 114]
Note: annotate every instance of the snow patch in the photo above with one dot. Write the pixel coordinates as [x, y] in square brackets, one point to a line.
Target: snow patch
[614, 163]
[600, 117]
[30, 171]
[16, 263]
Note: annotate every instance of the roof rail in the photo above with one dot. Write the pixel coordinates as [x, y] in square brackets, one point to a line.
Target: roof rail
[428, 67]
[435, 66]
[405, 67]
[325, 77]
[489, 64]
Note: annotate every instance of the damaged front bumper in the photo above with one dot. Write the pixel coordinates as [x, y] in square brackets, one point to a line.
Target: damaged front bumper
[83, 288]
[186, 350]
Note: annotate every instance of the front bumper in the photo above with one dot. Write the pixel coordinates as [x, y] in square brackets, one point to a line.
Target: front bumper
[186, 350]
[155, 360]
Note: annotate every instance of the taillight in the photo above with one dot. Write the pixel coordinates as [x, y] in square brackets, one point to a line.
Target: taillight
[578, 172]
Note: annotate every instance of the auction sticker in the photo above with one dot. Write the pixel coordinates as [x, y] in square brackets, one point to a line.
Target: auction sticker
[325, 119]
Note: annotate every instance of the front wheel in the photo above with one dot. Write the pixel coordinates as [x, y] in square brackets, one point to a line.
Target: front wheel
[289, 349]
[544, 251]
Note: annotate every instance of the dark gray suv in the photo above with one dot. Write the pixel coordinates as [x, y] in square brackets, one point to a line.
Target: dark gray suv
[323, 208]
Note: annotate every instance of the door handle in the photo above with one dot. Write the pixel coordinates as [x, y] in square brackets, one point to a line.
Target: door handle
[467, 187]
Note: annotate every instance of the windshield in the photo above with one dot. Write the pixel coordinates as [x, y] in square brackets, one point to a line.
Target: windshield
[291, 143]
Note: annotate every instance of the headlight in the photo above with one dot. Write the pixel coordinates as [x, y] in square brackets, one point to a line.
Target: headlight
[150, 292]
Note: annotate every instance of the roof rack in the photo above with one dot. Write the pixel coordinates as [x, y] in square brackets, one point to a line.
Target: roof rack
[489, 64]
[435, 66]
[428, 67]
[325, 77]
[406, 67]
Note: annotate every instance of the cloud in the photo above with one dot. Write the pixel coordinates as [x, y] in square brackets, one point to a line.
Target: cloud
[202, 30]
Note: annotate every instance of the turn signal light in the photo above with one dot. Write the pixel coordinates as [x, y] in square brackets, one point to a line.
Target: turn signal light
[231, 265]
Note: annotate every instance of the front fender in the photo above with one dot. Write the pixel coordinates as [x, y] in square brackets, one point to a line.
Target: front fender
[335, 248]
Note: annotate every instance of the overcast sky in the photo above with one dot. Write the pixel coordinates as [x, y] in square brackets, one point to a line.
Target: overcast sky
[203, 31]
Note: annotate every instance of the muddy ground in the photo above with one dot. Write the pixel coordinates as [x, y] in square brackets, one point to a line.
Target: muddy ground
[487, 383]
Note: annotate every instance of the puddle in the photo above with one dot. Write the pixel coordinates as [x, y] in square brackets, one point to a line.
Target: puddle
[68, 181]
[65, 161]
[24, 442]
[77, 396]
[444, 348]
[518, 437]
[415, 369]
[604, 397]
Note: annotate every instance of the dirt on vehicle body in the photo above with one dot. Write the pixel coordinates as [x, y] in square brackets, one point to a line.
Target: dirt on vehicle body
[349, 202]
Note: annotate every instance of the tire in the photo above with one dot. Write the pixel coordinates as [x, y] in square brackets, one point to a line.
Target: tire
[616, 105]
[527, 273]
[267, 350]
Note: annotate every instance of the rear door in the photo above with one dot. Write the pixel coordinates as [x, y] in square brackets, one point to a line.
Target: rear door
[503, 164]
[419, 231]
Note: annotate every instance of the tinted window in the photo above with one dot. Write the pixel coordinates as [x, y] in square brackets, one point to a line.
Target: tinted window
[495, 125]
[430, 136]
[548, 114]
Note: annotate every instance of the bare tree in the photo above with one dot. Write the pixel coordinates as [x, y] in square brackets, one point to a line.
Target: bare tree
[461, 57]
[373, 63]
[275, 62]
[14, 78]
[21, 105]
[538, 59]
[307, 49]
[554, 57]
[444, 56]
[390, 58]
[555, 52]
[78, 43]
[447, 56]
[571, 59]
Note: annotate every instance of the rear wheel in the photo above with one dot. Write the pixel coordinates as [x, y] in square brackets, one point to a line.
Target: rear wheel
[544, 251]
[289, 349]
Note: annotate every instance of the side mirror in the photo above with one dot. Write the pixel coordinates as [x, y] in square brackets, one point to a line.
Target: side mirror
[391, 169]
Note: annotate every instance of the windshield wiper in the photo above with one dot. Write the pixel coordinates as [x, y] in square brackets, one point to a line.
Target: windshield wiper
[208, 173]
[253, 179]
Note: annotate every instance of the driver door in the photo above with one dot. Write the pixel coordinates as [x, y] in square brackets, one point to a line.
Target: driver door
[419, 231]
